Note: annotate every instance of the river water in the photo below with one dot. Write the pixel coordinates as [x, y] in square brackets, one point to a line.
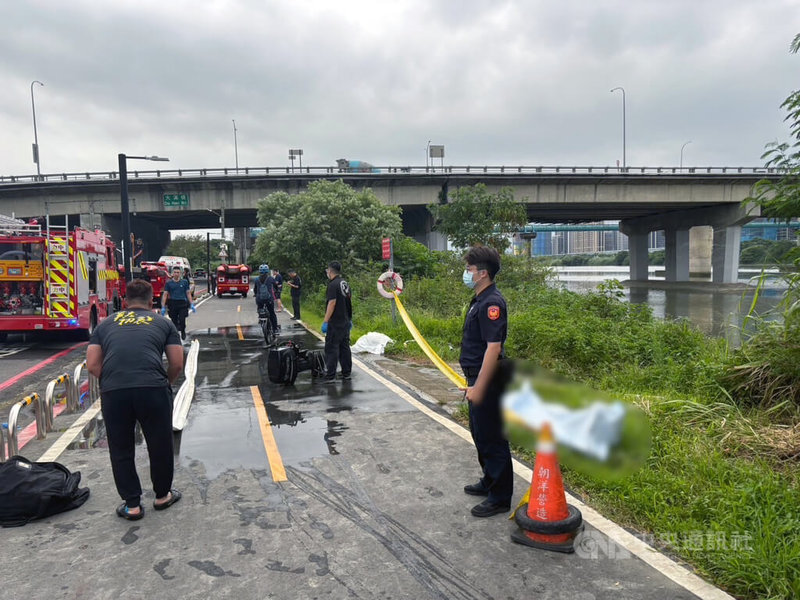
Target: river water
[716, 310]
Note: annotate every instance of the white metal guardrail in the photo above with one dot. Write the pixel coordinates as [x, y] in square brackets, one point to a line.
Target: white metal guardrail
[378, 171]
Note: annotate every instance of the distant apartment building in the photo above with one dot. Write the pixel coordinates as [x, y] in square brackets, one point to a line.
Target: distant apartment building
[591, 238]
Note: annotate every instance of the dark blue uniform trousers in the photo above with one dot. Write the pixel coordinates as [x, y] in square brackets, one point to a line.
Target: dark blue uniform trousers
[494, 454]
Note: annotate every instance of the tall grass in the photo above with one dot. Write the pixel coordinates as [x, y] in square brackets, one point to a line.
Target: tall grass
[714, 491]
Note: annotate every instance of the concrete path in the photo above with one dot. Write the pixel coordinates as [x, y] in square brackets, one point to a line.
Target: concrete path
[371, 506]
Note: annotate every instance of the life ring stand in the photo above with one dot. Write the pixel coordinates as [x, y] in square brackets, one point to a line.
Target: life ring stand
[396, 280]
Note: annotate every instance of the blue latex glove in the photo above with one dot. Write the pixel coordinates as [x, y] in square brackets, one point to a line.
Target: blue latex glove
[163, 310]
[194, 310]
[325, 327]
[351, 326]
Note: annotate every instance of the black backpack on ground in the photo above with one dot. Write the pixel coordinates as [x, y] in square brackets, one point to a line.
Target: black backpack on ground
[30, 490]
[289, 359]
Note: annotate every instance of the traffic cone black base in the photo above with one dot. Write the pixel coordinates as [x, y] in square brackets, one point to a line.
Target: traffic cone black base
[567, 547]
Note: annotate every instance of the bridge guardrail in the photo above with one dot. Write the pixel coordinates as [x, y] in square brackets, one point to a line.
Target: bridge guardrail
[399, 170]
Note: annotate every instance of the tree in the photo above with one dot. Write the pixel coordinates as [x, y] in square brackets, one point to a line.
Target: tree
[328, 221]
[476, 216]
[781, 199]
[193, 247]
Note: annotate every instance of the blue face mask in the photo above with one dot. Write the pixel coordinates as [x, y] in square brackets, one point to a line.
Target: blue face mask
[467, 279]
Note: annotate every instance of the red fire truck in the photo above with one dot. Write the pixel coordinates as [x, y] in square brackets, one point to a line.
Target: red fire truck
[55, 279]
[233, 279]
[157, 274]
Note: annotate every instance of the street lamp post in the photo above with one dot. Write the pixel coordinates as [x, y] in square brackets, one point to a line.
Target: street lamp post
[127, 236]
[35, 134]
[427, 152]
[235, 145]
[624, 157]
[682, 147]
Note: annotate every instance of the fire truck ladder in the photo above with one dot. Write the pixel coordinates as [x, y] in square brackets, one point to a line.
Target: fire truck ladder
[58, 270]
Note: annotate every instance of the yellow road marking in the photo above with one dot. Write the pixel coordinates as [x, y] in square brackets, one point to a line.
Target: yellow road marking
[239, 308]
[274, 457]
[239, 330]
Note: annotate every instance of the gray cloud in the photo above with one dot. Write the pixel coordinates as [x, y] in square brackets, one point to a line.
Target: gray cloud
[498, 83]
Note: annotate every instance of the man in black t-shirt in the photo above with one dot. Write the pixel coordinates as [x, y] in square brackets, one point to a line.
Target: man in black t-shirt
[337, 323]
[125, 353]
[295, 284]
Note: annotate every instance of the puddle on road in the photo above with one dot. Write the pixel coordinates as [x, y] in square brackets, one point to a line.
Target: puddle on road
[223, 432]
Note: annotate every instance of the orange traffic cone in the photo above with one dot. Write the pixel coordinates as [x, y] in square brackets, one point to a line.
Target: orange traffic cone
[546, 520]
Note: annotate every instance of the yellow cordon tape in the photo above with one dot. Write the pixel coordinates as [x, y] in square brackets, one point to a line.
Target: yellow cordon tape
[446, 370]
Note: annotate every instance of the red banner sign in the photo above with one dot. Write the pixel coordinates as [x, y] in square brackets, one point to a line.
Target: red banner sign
[386, 245]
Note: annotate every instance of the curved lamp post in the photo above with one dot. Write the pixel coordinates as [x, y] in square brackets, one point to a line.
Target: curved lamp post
[624, 158]
[235, 145]
[35, 134]
[682, 147]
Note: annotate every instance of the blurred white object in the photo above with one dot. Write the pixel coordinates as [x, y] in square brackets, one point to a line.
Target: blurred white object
[592, 430]
[372, 342]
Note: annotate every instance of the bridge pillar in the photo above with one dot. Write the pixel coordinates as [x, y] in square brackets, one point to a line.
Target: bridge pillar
[676, 255]
[725, 254]
[726, 219]
[240, 239]
[640, 258]
[700, 243]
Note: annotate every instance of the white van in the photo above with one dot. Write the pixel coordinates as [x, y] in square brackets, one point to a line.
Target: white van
[172, 261]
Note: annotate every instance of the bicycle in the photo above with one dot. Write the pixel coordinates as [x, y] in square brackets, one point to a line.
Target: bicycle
[270, 335]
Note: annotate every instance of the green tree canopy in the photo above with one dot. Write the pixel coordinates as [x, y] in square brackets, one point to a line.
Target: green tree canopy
[327, 221]
[476, 216]
[781, 199]
[193, 247]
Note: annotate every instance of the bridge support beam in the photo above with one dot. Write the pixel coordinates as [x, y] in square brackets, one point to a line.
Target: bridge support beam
[725, 254]
[640, 258]
[727, 221]
[676, 254]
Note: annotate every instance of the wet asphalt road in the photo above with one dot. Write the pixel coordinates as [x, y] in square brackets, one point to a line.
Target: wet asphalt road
[372, 505]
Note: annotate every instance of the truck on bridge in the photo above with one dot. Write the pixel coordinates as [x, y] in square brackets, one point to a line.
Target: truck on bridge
[355, 166]
[55, 279]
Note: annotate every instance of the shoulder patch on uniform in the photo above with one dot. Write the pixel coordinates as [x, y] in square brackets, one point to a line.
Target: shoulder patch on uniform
[494, 312]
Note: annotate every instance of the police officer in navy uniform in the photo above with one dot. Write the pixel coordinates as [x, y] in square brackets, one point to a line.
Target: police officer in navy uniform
[485, 331]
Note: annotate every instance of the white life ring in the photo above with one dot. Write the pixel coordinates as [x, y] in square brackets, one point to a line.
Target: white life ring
[396, 280]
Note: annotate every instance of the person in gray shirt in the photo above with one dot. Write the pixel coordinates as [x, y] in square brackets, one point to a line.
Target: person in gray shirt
[125, 353]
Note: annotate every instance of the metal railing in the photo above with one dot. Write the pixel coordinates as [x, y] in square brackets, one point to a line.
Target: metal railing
[378, 171]
[48, 398]
[43, 406]
[13, 447]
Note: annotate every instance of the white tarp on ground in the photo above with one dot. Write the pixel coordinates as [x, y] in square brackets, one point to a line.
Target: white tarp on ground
[592, 430]
[372, 342]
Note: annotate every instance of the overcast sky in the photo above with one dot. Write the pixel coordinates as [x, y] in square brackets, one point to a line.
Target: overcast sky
[514, 83]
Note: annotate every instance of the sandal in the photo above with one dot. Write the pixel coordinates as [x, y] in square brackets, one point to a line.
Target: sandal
[124, 512]
[174, 496]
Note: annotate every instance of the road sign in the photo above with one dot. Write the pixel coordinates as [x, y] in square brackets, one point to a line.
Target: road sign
[386, 246]
[176, 199]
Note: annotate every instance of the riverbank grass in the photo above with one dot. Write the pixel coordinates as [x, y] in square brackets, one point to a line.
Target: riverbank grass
[720, 488]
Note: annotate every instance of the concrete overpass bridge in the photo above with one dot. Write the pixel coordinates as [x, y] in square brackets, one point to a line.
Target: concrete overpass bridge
[698, 208]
